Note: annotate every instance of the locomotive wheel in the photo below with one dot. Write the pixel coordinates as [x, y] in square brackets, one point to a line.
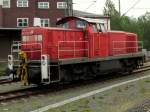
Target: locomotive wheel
[95, 69]
[77, 71]
[87, 73]
[129, 69]
[65, 75]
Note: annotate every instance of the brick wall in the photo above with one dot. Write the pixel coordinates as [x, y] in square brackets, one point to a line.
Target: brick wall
[11, 14]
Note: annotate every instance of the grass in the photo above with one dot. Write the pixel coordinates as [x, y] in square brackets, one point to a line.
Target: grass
[118, 99]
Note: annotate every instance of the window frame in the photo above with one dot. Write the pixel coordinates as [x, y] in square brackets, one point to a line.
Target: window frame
[8, 6]
[42, 4]
[43, 24]
[23, 23]
[22, 4]
[62, 6]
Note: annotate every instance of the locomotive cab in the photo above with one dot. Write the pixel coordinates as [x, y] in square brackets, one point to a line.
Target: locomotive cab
[95, 33]
[82, 23]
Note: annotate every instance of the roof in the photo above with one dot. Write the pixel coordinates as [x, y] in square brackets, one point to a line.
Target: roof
[87, 14]
[89, 20]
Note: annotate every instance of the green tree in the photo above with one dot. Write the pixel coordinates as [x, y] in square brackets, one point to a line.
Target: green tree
[110, 10]
[140, 26]
[144, 23]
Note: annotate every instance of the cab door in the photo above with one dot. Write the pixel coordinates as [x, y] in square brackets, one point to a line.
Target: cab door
[98, 40]
[103, 40]
[94, 40]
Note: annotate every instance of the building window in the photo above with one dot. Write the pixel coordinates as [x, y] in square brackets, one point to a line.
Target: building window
[61, 5]
[6, 4]
[22, 22]
[45, 23]
[43, 5]
[22, 3]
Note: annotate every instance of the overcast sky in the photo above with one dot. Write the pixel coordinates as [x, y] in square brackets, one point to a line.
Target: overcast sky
[98, 6]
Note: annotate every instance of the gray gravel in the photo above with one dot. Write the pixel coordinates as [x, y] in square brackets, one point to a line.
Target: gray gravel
[144, 107]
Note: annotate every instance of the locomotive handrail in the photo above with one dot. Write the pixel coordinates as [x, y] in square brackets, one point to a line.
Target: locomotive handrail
[28, 44]
[74, 50]
[18, 46]
[121, 46]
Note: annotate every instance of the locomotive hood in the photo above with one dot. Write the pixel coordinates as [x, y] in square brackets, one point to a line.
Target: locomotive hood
[121, 33]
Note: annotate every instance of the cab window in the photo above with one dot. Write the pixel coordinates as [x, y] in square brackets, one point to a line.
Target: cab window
[64, 25]
[101, 27]
[94, 28]
[80, 24]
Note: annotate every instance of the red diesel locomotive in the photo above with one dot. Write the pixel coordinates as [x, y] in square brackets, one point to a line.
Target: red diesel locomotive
[78, 48]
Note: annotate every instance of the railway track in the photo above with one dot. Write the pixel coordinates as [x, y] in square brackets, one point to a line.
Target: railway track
[16, 94]
[142, 69]
[6, 81]
[43, 90]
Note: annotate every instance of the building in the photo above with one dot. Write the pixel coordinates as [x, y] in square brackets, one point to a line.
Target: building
[21, 13]
[17, 14]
